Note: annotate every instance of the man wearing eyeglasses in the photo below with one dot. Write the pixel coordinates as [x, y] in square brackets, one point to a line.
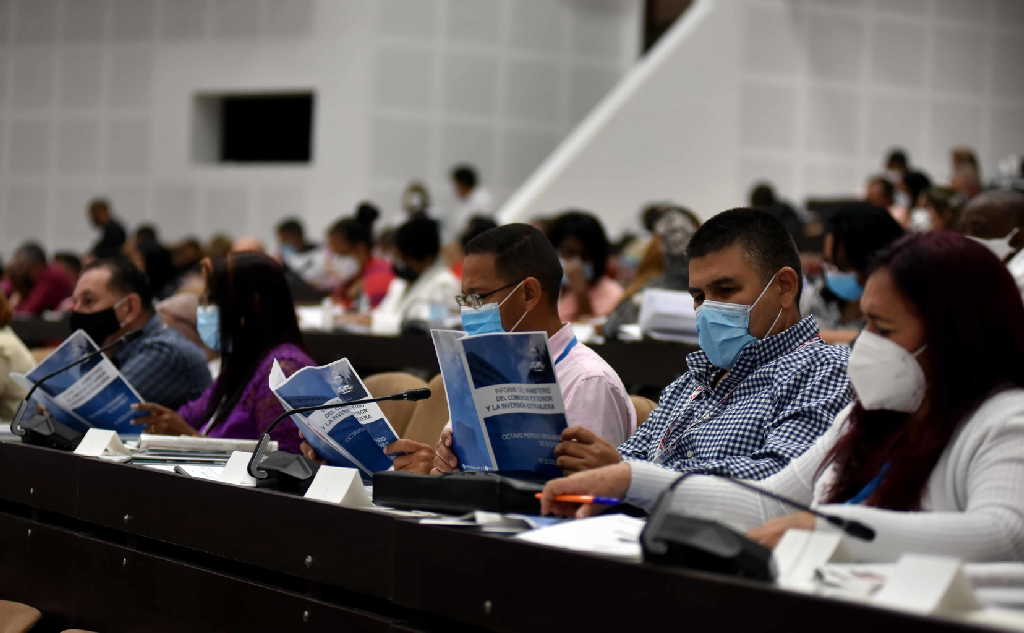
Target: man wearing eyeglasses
[515, 267]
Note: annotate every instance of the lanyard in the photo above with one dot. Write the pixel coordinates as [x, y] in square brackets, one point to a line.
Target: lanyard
[870, 488]
[664, 450]
[565, 352]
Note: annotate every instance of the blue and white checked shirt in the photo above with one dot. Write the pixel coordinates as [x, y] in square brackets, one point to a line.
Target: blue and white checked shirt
[782, 393]
[164, 366]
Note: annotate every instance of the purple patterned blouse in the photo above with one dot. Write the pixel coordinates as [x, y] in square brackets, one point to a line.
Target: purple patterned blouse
[257, 407]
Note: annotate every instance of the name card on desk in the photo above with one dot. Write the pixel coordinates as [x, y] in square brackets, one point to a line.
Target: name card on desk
[236, 471]
[929, 585]
[343, 486]
[99, 442]
[801, 552]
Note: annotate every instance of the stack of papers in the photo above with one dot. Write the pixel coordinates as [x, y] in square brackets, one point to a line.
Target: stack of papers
[614, 535]
[668, 315]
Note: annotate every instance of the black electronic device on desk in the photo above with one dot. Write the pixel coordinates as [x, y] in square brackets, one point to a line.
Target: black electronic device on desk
[459, 492]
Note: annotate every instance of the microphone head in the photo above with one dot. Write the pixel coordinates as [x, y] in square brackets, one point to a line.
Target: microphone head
[421, 393]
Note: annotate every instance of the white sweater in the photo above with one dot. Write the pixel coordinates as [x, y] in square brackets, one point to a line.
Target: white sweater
[973, 507]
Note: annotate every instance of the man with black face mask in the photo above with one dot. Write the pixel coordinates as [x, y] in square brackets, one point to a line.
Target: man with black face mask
[113, 298]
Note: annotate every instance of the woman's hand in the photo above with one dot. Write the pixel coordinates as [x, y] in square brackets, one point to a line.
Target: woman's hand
[161, 420]
[771, 532]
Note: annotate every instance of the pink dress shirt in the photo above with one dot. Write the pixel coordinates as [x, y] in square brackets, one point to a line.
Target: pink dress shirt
[593, 393]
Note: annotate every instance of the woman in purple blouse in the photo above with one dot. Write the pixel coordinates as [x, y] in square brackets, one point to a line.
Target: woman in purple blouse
[248, 315]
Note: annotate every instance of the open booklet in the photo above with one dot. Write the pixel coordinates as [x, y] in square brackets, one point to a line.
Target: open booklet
[353, 437]
[93, 394]
[504, 400]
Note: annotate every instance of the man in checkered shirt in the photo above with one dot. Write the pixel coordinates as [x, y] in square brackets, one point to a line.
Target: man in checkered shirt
[762, 388]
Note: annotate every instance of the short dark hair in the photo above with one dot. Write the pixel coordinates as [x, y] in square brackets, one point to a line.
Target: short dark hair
[762, 196]
[863, 231]
[292, 226]
[419, 238]
[897, 156]
[765, 240]
[589, 231]
[887, 187]
[146, 234]
[31, 253]
[70, 260]
[126, 277]
[477, 224]
[358, 229]
[521, 251]
[465, 175]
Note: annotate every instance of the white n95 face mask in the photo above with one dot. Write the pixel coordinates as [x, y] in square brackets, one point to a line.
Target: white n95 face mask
[885, 375]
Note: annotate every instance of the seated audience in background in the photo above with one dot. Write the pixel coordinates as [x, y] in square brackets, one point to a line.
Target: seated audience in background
[416, 200]
[763, 198]
[672, 232]
[929, 454]
[249, 317]
[155, 260]
[476, 225]
[996, 219]
[304, 258]
[34, 285]
[515, 268]
[179, 313]
[471, 199]
[853, 236]
[70, 263]
[113, 298]
[186, 257]
[966, 182]
[364, 277]
[880, 192]
[14, 356]
[762, 388]
[424, 289]
[587, 290]
[963, 156]
[935, 211]
[249, 244]
[112, 235]
[218, 246]
[908, 184]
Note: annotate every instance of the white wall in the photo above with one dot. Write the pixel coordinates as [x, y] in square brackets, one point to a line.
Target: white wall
[806, 93]
[96, 98]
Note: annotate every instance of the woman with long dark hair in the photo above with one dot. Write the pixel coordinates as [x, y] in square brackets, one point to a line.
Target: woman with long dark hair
[931, 453]
[248, 315]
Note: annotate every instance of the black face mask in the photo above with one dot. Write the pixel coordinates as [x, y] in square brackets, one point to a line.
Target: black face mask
[404, 272]
[98, 325]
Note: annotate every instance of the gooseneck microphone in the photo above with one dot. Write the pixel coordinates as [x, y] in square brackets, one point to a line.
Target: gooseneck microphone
[675, 539]
[292, 469]
[42, 429]
[853, 528]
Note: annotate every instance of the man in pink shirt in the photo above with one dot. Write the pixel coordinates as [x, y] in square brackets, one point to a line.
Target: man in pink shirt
[516, 267]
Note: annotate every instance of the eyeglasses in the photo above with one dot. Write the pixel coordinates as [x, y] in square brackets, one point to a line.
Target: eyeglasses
[476, 300]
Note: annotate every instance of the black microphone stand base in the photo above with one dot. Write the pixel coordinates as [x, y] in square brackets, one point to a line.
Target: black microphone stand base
[682, 541]
[286, 472]
[40, 429]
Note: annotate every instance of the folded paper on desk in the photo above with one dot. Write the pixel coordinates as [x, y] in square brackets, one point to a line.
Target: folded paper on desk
[93, 394]
[615, 535]
[351, 437]
[505, 403]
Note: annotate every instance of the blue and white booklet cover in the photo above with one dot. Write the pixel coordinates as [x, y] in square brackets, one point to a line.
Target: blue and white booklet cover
[93, 394]
[505, 403]
[353, 437]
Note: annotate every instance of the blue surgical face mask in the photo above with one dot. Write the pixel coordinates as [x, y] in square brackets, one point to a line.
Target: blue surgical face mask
[487, 318]
[844, 285]
[723, 329]
[208, 325]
